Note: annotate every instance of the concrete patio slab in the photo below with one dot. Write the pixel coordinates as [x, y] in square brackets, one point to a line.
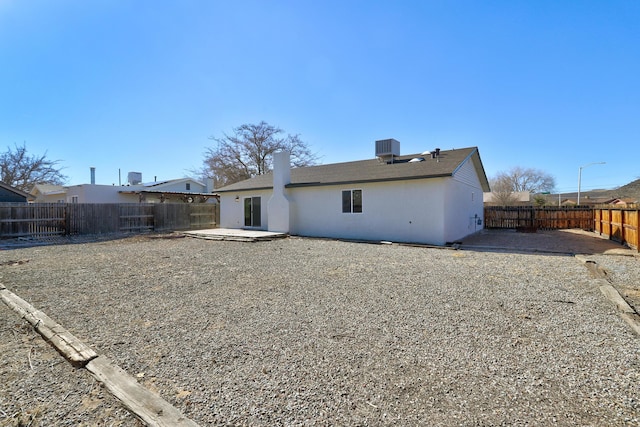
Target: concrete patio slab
[234, 234]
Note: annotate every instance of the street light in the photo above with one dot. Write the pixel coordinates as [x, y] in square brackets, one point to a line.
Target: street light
[580, 175]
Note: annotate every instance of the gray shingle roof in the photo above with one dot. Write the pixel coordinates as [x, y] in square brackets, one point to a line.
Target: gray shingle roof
[47, 188]
[373, 170]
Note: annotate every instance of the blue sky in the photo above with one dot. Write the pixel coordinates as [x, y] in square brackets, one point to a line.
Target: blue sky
[141, 85]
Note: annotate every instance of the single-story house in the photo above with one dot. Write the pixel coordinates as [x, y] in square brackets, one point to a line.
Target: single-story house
[624, 202]
[432, 198]
[184, 190]
[49, 193]
[9, 194]
[513, 198]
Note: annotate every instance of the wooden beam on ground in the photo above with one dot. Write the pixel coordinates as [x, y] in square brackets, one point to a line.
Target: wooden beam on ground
[148, 406]
[612, 295]
[628, 314]
[74, 350]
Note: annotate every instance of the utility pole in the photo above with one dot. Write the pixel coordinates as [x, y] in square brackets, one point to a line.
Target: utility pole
[580, 176]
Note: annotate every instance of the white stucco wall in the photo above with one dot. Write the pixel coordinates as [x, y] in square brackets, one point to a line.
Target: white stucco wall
[463, 204]
[51, 198]
[279, 205]
[88, 193]
[232, 212]
[180, 186]
[399, 211]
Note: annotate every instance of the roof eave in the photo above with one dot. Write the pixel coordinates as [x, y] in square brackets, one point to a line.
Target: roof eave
[367, 181]
[477, 162]
[245, 189]
[185, 193]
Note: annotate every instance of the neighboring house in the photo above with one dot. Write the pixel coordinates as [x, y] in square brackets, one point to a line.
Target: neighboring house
[623, 202]
[9, 194]
[587, 200]
[184, 190]
[431, 198]
[514, 198]
[49, 193]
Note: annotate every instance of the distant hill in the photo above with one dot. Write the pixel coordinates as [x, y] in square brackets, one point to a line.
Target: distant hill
[631, 190]
[628, 191]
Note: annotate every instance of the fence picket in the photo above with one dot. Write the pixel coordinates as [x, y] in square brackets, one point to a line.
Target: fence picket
[534, 218]
[619, 224]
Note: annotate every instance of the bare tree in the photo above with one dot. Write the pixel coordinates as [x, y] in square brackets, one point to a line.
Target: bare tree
[503, 197]
[505, 184]
[248, 152]
[22, 170]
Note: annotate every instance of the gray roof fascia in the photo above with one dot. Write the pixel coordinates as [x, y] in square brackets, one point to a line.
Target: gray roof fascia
[366, 181]
[245, 189]
[184, 193]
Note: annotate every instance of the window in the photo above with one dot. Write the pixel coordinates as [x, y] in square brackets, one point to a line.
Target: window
[188, 186]
[352, 201]
[74, 199]
[252, 212]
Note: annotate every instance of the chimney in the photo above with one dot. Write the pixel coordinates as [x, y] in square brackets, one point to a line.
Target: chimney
[278, 210]
[93, 175]
[209, 185]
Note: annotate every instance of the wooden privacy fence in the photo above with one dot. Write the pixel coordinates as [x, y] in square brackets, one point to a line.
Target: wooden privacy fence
[56, 219]
[619, 224]
[533, 218]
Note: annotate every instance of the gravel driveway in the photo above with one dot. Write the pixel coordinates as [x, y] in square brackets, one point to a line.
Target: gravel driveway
[319, 332]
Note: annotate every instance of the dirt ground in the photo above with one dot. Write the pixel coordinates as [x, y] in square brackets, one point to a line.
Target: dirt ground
[550, 241]
[607, 253]
[287, 358]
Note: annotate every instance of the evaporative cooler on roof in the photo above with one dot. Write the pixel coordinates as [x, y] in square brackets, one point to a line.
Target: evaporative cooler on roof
[387, 148]
[134, 178]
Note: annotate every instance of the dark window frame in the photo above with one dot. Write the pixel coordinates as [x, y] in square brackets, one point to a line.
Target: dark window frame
[253, 211]
[352, 201]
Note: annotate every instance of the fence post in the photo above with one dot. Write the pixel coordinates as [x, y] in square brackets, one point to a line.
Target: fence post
[67, 219]
[637, 242]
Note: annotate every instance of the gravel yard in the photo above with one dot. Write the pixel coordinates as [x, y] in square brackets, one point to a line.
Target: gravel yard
[319, 332]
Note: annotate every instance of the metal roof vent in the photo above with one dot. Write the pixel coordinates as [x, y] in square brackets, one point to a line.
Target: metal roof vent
[387, 148]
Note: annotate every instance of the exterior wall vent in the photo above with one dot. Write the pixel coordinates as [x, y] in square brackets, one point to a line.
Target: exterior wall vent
[387, 148]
